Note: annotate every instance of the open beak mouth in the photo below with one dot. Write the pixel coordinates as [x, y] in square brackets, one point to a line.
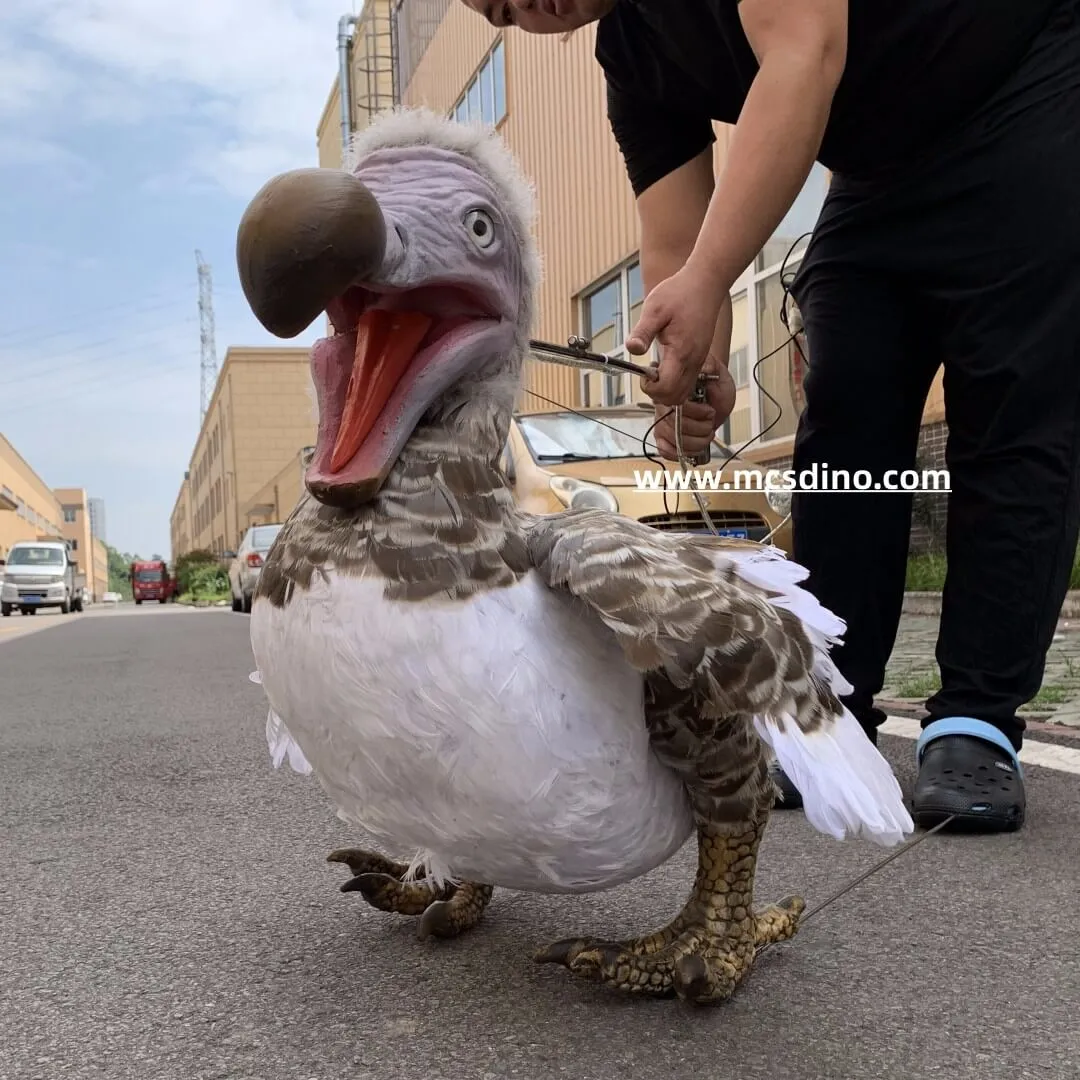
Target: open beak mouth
[315, 240]
[376, 376]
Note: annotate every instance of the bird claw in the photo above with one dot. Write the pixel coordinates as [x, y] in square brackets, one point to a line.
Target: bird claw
[564, 951]
[685, 959]
[368, 884]
[445, 911]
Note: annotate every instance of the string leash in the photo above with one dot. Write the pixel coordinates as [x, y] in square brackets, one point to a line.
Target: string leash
[864, 876]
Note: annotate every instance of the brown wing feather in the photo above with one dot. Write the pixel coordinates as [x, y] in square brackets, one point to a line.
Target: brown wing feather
[714, 651]
[682, 613]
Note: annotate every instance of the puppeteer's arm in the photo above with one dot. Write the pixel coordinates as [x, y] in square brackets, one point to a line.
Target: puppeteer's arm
[671, 212]
[801, 47]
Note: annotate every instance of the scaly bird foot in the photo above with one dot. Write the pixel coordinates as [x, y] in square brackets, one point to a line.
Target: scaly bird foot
[708, 949]
[446, 911]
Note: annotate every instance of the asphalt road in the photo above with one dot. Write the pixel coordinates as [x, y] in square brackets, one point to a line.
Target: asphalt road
[166, 911]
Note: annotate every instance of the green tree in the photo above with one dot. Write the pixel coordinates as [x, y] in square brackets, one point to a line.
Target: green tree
[119, 564]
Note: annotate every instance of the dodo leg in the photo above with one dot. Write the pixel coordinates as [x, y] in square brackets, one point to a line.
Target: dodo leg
[446, 911]
[708, 949]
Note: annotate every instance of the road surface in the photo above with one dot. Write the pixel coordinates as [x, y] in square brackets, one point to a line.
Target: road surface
[166, 912]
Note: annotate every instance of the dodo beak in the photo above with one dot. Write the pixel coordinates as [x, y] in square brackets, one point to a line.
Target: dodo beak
[305, 238]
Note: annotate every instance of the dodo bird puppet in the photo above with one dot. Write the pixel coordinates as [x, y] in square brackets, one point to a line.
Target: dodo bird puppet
[554, 703]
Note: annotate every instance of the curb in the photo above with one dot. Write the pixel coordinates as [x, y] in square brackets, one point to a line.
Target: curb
[929, 603]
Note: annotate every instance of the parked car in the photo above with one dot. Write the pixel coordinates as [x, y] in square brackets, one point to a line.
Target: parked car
[111, 598]
[246, 563]
[590, 457]
[41, 574]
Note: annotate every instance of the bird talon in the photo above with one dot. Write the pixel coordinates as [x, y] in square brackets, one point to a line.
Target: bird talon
[367, 883]
[562, 952]
[368, 862]
[691, 979]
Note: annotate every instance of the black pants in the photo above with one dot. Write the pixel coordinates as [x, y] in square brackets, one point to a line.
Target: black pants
[968, 257]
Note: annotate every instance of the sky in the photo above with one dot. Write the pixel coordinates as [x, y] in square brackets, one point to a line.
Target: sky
[132, 133]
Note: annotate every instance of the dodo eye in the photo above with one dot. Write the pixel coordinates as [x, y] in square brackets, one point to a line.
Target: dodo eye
[481, 228]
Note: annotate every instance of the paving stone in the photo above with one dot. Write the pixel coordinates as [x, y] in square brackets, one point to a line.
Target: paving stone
[912, 672]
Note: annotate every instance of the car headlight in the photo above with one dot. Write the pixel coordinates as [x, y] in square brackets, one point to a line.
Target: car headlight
[580, 494]
[779, 500]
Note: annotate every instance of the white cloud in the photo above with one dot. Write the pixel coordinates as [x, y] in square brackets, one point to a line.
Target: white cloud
[237, 88]
[251, 76]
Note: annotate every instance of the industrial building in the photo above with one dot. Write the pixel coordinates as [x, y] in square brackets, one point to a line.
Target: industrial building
[31, 510]
[260, 417]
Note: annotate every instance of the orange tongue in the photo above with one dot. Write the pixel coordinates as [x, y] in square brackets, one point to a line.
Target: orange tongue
[386, 342]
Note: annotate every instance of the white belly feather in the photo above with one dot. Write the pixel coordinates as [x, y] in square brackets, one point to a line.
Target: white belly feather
[502, 738]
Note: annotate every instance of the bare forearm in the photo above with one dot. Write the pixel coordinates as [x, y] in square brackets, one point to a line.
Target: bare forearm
[658, 264]
[772, 150]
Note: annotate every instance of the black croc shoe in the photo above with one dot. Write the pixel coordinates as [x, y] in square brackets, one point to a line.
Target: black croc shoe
[970, 769]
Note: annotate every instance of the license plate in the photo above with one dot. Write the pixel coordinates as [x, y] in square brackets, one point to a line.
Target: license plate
[31, 599]
[732, 534]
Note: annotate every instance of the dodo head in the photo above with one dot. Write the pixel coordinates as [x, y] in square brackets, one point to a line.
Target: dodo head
[420, 252]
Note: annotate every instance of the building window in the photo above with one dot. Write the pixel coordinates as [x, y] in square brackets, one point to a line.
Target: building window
[416, 23]
[761, 360]
[608, 314]
[484, 99]
[70, 514]
[770, 398]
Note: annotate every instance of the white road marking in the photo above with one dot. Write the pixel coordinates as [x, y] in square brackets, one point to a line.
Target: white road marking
[1045, 755]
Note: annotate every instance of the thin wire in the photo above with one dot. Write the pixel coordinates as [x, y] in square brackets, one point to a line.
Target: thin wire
[791, 339]
[879, 865]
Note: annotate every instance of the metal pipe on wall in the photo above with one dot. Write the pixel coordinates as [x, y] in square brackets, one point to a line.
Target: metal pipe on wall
[344, 38]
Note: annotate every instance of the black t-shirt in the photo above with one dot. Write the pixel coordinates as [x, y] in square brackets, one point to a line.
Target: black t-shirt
[913, 68]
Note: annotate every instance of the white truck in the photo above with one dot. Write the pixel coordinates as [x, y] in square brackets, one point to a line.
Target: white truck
[40, 573]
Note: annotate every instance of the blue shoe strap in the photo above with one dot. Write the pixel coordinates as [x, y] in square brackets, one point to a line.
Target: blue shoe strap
[966, 725]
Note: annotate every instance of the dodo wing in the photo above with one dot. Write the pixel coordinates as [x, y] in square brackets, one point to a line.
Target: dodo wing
[723, 620]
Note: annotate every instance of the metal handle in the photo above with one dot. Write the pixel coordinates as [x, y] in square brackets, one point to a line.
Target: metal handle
[705, 456]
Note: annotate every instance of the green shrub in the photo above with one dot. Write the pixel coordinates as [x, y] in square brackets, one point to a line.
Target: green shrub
[187, 566]
[926, 573]
[208, 582]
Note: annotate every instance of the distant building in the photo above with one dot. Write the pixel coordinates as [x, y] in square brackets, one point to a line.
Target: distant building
[28, 507]
[97, 519]
[261, 417]
[87, 550]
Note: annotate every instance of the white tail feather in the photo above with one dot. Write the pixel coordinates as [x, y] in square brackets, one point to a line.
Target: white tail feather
[435, 870]
[849, 790]
[282, 745]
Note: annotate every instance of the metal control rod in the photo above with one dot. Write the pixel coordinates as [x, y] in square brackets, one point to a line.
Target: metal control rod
[575, 353]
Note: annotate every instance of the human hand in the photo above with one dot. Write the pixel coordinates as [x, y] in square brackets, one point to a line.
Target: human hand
[680, 314]
[700, 420]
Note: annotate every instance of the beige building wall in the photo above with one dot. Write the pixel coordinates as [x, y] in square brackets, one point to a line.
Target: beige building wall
[100, 561]
[277, 498]
[180, 522]
[28, 507]
[261, 413]
[75, 528]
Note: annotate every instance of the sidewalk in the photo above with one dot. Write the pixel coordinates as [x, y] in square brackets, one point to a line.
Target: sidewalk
[912, 673]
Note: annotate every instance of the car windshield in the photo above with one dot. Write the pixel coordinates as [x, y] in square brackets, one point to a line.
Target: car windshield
[563, 436]
[262, 536]
[35, 556]
[148, 575]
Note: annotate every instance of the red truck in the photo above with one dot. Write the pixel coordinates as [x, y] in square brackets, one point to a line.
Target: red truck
[151, 581]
